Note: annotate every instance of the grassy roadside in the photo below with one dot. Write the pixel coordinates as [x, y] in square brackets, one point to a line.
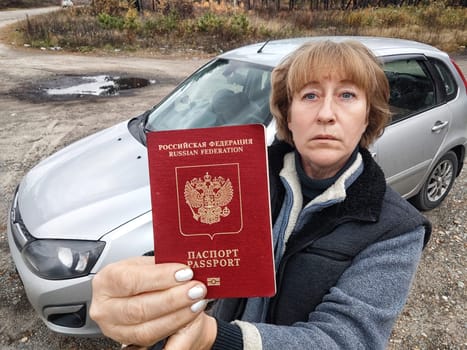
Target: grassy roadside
[206, 27]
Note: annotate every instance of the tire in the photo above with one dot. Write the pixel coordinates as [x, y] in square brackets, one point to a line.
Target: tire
[438, 183]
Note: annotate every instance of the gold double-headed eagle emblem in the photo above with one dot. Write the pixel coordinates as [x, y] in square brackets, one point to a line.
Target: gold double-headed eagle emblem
[208, 198]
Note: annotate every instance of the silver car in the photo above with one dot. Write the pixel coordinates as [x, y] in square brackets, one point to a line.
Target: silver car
[89, 204]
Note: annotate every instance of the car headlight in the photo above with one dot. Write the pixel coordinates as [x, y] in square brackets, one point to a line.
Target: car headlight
[61, 259]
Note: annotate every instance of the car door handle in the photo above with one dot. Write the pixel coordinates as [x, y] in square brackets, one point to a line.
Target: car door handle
[439, 125]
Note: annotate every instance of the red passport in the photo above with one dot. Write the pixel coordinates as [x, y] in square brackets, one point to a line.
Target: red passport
[211, 209]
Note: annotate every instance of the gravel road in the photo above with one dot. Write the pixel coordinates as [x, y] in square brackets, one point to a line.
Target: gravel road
[32, 128]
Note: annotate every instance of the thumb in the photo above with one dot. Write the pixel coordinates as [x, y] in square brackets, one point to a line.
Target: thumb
[199, 334]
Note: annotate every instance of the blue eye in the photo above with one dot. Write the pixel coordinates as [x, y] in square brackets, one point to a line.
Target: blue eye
[309, 96]
[347, 95]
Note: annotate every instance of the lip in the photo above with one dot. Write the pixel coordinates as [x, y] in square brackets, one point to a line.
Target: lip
[324, 137]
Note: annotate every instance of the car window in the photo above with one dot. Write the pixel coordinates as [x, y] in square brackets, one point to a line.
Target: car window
[412, 88]
[225, 92]
[449, 82]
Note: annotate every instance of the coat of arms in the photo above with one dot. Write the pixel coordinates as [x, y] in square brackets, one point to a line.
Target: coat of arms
[208, 198]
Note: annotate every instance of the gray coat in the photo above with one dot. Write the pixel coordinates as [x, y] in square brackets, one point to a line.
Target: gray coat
[345, 266]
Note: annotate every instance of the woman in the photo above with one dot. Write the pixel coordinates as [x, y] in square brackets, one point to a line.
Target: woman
[346, 245]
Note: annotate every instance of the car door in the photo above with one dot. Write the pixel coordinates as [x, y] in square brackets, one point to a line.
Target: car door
[419, 126]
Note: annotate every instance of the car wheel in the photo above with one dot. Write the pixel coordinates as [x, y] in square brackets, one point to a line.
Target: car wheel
[438, 184]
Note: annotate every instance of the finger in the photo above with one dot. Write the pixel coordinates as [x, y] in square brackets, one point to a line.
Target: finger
[153, 305]
[199, 334]
[135, 310]
[136, 276]
[150, 332]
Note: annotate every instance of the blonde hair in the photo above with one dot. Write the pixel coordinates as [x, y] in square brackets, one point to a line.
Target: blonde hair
[348, 59]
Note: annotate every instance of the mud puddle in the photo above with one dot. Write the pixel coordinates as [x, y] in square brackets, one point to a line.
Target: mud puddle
[71, 87]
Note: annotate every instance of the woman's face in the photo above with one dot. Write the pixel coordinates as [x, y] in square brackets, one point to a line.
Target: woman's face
[327, 118]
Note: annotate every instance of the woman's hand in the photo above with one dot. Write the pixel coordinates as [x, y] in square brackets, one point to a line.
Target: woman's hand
[138, 302]
[198, 335]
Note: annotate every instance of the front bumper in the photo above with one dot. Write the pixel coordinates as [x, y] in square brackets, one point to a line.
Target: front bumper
[63, 305]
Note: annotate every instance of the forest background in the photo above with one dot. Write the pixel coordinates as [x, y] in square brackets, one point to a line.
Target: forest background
[159, 27]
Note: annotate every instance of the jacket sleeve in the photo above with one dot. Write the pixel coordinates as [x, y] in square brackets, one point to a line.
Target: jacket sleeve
[358, 312]
[228, 336]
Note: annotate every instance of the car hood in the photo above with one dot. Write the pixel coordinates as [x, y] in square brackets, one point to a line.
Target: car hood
[88, 188]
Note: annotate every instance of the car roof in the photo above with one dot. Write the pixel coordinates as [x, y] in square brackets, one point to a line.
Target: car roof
[271, 53]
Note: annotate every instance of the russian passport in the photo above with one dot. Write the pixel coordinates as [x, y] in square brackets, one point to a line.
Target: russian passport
[211, 208]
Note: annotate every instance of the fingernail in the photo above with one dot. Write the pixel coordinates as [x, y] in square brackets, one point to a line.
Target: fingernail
[184, 275]
[198, 306]
[196, 292]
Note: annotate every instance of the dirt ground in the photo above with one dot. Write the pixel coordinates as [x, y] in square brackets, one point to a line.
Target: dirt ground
[33, 128]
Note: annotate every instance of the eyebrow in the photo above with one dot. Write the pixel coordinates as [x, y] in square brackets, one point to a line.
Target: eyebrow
[317, 82]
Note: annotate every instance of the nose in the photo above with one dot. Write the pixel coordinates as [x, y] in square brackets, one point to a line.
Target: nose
[326, 112]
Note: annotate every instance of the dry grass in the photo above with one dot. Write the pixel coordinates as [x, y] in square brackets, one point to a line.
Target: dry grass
[207, 27]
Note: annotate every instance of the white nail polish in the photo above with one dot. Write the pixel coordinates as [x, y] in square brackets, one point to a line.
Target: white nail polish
[196, 292]
[184, 275]
[198, 306]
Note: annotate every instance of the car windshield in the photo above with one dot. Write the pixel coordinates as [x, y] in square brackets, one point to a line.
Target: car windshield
[224, 92]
